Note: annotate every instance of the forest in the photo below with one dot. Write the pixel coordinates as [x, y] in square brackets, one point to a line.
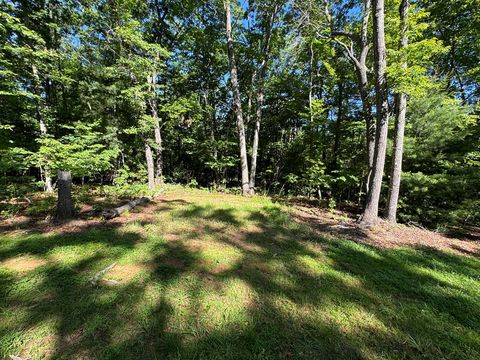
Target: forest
[285, 98]
[132, 129]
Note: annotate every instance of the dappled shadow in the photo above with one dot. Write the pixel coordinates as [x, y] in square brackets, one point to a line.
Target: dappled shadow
[329, 226]
[238, 284]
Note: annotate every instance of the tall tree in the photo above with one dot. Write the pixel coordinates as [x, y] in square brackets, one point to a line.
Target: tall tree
[401, 109]
[370, 214]
[260, 75]
[237, 102]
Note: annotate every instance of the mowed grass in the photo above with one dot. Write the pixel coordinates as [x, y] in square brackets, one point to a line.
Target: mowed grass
[213, 276]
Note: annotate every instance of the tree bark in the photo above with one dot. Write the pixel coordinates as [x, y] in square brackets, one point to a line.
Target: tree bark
[363, 87]
[370, 214]
[157, 130]
[43, 129]
[150, 166]
[260, 97]
[237, 104]
[210, 119]
[64, 201]
[159, 150]
[310, 83]
[401, 104]
[338, 126]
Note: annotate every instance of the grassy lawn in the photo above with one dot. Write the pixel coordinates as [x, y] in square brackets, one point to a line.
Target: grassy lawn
[213, 276]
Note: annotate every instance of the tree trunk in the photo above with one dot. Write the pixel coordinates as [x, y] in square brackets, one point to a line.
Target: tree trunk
[150, 167]
[237, 104]
[256, 137]
[367, 113]
[159, 150]
[401, 104]
[363, 87]
[260, 97]
[64, 201]
[310, 83]
[370, 214]
[157, 130]
[43, 130]
[338, 126]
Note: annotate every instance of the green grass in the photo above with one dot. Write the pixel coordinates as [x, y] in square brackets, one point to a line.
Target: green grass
[212, 276]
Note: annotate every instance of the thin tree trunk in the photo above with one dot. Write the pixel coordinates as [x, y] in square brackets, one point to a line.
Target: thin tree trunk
[157, 130]
[363, 87]
[338, 126]
[260, 97]
[159, 151]
[210, 118]
[367, 113]
[370, 214]
[150, 166]
[310, 84]
[64, 201]
[401, 103]
[256, 137]
[43, 130]
[237, 105]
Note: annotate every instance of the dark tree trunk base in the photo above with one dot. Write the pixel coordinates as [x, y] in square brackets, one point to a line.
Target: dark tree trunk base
[64, 202]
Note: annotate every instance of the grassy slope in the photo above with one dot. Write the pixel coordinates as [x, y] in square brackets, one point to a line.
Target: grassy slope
[211, 276]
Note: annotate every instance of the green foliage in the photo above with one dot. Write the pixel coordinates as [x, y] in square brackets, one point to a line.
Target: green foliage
[442, 198]
[84, 86]
[419, 54]
[442, 178]
[127, 184]
[83, 152]
[42, 206]
[18, 187]
[435, 123]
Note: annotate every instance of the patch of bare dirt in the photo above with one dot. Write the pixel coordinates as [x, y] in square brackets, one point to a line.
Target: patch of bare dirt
[172, 237]
[124, 273]
[23, 263]
[85, 220]
[383, 235]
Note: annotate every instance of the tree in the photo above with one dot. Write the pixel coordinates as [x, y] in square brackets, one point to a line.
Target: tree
[359, 61]
[259, 76]
[370, 214]
[64, 201]
[401, 109]
[237, 102]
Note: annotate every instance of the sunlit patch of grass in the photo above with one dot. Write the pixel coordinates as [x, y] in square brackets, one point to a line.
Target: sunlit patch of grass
[219, 276]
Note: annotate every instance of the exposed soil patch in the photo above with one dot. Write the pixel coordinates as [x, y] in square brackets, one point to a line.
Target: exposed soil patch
[383, 235]
[172, 237]
[83, 221]
[124, 273]
[23, 263]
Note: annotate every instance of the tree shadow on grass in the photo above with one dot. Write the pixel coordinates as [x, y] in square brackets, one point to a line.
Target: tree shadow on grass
[285, 293]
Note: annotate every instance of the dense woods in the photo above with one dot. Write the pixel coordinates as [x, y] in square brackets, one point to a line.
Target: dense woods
[370, 104]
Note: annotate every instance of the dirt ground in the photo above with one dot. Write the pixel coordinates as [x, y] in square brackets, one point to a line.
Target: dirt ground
[385, 235]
